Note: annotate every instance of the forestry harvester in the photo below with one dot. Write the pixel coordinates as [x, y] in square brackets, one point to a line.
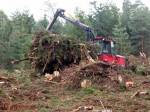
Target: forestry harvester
[107, 44]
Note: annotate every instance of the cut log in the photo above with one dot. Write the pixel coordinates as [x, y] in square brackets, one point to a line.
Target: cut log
[86, 83]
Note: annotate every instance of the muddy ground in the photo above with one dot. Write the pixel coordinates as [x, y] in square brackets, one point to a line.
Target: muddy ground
[21, 91]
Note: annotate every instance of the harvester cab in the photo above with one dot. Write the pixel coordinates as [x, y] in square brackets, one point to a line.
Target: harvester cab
[108, 54]
[107, 44]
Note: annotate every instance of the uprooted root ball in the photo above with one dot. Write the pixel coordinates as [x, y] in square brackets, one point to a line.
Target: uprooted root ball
[50, 52]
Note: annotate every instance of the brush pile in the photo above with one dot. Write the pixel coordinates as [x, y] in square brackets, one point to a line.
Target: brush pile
[51, 52]
[98, 73]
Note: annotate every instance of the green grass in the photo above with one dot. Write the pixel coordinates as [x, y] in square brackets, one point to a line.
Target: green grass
[87, 91]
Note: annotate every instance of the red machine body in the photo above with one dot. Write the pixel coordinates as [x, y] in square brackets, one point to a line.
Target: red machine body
[106, 54]
[112, 59]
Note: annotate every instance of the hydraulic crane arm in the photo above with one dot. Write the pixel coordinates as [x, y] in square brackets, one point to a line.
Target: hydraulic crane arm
[60, 13]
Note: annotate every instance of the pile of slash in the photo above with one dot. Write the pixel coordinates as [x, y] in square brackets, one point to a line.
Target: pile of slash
[75, 62]
[52, 52]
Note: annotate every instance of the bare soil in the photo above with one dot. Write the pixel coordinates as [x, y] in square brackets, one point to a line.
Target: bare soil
[22, 92]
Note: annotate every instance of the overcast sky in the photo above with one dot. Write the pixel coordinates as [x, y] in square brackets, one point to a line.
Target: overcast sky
[38, 7]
